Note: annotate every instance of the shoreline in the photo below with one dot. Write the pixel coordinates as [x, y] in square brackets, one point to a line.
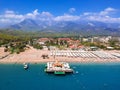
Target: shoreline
[34, 56]
[69, 61]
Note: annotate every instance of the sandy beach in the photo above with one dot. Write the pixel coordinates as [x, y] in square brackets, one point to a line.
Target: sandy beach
[34, 56]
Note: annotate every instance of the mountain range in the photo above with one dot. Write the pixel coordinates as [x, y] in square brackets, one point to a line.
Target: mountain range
[83, 27]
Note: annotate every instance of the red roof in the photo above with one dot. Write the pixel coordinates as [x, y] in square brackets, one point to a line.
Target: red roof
[65, 39]
[81, 46]
[72, 46]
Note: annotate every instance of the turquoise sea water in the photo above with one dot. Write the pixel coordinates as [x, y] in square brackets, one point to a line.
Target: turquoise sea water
[86, 77]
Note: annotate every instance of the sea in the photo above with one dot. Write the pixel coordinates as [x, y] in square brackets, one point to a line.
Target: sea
[85, 77]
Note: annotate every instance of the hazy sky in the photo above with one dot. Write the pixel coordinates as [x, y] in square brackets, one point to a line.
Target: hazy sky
[99, 10]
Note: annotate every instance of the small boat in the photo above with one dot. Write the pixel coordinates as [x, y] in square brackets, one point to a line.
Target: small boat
[26, 66]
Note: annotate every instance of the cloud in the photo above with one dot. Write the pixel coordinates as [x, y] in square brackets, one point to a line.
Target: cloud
[71, 10]
[35, 12]
[102, 16]
[39, 16]
[32, 15]
[105, 19]
[9, 12]
[11, 17]
[108, 11]
[47, 17]
[67, 17]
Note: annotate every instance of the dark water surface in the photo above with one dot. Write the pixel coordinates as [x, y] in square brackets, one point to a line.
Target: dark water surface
[85, 77]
